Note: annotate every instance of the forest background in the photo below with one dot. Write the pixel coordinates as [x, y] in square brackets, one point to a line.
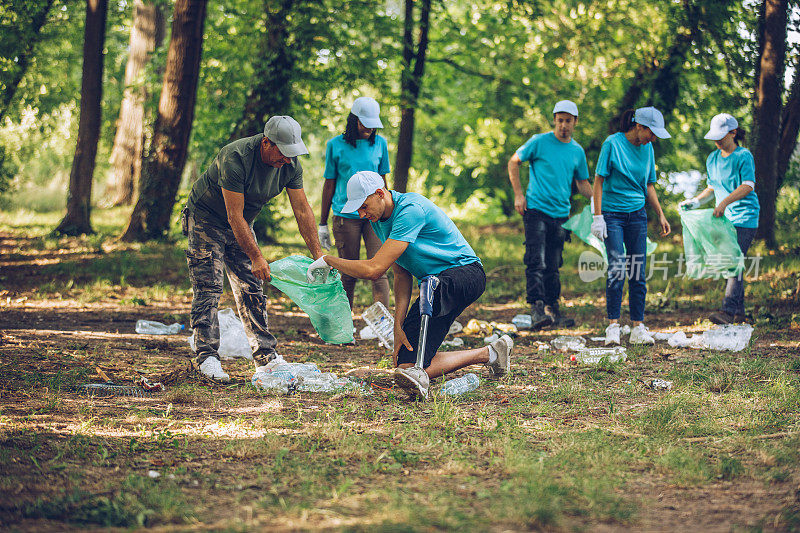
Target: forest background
[462, 85]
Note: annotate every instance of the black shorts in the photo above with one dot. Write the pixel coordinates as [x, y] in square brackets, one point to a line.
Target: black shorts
[459, 287]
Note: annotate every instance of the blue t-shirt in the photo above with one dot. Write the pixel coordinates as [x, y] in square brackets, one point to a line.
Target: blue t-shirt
[553, 166]
[725, 174]
[342, 160]
[626, 171]
[434, 242]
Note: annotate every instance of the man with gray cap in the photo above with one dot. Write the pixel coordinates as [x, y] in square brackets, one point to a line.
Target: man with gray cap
[555, 160]
[218, 221]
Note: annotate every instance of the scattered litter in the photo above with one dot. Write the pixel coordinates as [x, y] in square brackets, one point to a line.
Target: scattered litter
[149, 386]
[522, 321]
[381, 322]
[475, 326]
[504, 327]
[678, 339]
[152, 327]
[454, 343]
[153, 474]
[565, 343]
[455, 327]
[367, 333]
[462, 385]
[286, 378]
[491, 338]
[732, 337]
[660, 384]
[595, 355]
[540, 346]
[625, 330]
[106, 390]
[233, 341]
[662, 335]
[597, 339]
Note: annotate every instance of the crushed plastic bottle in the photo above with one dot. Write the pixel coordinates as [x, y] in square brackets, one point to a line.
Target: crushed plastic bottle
[151, 327]
[522, 321]
[455, 327]
[461, 385]
[289, 377]
[367, 333]
[454, 343]
[732, 337]
[678, 340]
[592, 356]
[660, 384]
[274, 381]
[566, 343]
[380, 320]
[491, 338]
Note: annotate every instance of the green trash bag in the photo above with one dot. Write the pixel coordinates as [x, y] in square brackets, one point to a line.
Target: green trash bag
[325, 303]
[710, 245]
[581, 225]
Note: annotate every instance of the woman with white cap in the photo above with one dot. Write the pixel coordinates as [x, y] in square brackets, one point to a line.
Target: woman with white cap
[358, 148]
[731, 181]
[624, 181]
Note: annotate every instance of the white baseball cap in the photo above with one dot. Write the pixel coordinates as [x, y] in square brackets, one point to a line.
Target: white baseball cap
[566, 106]
[367, 111]
[361, 185]
[721, 125]
[284, 131]
[653, 119]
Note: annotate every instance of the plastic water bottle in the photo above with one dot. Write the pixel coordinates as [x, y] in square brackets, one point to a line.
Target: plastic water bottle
[565, 343]
[461, 385]
[151, 327]
[593, 356]
[522, 321]
[382, 323]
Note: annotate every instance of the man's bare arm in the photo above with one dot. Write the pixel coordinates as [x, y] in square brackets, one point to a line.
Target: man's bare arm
[234, 206]
[373, 268]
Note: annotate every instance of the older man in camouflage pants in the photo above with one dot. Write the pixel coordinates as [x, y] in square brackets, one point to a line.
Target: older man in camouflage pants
[218, 220]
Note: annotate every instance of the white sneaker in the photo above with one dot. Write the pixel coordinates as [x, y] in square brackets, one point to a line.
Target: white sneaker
[413, 380]
[612, 334]
[502, 365]
[641, 335]
[212, 368]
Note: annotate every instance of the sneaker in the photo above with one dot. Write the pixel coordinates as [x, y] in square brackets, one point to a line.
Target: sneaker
[722, 317]
[538, 318]
[612, 334]
[641, 335]
[558, 320]
[212, 368]
[502, 364]
[413, 380]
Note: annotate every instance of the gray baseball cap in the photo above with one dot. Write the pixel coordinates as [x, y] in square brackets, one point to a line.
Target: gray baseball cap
[653, 119]
[284, 131]
[721, 125]
[566, 106]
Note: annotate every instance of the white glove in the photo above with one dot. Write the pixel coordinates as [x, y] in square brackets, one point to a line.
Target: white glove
[599, 227]
[318, 269]
[324, 236]
[692, 203]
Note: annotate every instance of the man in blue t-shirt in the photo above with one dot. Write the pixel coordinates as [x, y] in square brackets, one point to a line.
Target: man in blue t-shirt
[419, 240]
[556, 160]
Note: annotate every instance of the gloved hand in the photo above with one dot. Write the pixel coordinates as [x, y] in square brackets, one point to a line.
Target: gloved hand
[324, 236]
[599, 227]
[318, 269]
[692, 203]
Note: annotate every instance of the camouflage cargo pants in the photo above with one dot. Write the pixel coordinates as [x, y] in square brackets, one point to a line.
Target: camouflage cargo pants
[211, 250]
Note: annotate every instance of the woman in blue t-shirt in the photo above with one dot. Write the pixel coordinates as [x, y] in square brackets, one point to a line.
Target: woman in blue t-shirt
[359, 148]
[624, 182]
[731, 179]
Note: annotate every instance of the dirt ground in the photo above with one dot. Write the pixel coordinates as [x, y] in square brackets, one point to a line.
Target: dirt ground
[51, 344]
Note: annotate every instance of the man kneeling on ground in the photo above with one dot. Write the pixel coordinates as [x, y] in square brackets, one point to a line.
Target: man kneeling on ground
[419, 240]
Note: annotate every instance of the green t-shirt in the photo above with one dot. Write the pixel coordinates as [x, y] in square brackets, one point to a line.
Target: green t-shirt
[238, 168]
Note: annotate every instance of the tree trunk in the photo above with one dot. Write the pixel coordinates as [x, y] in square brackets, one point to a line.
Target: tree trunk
[27, 41]
[790, 126]
[411, 84]
[274, 73]
[768, 114]
[77, 219]
[161, 170]
[147, 32]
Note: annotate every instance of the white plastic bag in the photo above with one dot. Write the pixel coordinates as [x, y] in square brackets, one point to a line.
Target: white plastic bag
[233, 341]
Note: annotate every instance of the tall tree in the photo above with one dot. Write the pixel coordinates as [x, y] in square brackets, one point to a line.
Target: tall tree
[77, 220]
[20, 28]
[161, 172]
[147, 32]
[768, 113]
[413, 68]
[790, 126]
